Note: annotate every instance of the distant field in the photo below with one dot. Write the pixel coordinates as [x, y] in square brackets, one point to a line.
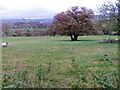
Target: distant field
[33, 51]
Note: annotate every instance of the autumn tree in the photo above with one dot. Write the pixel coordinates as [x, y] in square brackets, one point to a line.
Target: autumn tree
[108, 17]
[51, 30]
[74, 22]
[6, 29]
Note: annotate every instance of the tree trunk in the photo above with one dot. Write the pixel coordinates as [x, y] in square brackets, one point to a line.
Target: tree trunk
[54, 33]
[72, 39]
[75, 38]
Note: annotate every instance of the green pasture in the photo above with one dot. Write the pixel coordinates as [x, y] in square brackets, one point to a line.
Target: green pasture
[33, 51]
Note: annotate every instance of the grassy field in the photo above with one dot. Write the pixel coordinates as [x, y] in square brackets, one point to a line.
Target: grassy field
[63, 55]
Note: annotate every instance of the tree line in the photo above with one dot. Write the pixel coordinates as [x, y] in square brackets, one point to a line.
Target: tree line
[24, 28]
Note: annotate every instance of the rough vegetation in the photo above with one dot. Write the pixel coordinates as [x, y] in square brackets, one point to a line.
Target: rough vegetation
[52, 75]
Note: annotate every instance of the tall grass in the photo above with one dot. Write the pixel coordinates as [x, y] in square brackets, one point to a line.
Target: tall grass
[51, 75]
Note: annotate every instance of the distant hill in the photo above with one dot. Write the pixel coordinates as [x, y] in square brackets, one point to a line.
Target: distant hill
[49, 20]
[46, 20]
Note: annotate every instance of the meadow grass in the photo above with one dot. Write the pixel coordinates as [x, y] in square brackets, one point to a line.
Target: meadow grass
[33, 51]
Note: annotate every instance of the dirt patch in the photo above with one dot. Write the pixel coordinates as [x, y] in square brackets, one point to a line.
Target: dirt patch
[99, 50]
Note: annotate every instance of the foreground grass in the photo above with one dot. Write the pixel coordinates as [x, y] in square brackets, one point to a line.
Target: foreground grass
[87, 53]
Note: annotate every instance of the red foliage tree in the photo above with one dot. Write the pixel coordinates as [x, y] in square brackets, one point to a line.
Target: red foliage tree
[74, 22]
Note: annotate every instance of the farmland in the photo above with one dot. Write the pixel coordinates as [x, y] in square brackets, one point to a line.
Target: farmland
[67, 60]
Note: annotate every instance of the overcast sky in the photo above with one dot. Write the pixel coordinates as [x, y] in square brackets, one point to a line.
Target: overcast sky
[42, 8]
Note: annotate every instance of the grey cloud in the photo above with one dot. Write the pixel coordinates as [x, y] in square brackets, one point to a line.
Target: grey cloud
[30, 13]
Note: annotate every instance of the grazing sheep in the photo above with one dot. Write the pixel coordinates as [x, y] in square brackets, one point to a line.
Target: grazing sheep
[5, 44]
[116, 39]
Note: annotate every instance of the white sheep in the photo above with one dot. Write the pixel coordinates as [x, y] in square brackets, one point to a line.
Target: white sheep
[5, 44]
[116, 40]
